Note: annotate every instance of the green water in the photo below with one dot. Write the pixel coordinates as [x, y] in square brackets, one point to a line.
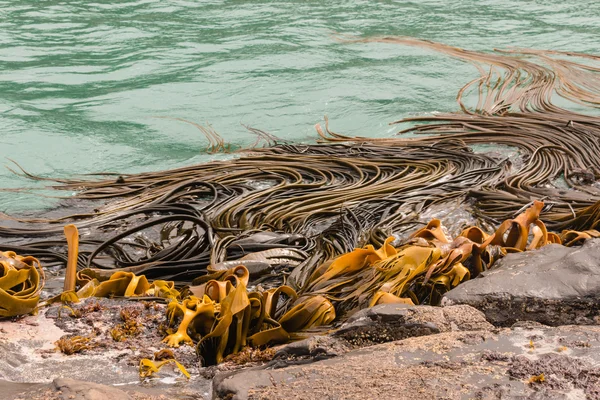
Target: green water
[81, 82]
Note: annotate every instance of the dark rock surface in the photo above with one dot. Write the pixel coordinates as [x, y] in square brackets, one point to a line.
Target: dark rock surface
[388, 322]
[554, 285]
[448, 365]
[314, 347]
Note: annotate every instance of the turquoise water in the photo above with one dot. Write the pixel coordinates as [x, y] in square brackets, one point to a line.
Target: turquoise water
[82, 82]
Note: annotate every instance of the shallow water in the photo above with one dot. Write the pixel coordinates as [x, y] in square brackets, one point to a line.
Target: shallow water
[82, 82]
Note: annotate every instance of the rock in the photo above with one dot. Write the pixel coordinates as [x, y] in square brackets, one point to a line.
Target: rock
[81, 390]
[388, 322]
[316, 346]
[448, 365]
[554, 285]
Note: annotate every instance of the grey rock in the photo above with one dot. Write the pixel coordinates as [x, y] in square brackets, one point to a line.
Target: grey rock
[315, 346]
[554, 285]
[81, 390]
[448, 365]
[388, 322]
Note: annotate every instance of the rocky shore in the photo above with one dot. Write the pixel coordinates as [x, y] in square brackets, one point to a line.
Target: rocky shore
[527, 329]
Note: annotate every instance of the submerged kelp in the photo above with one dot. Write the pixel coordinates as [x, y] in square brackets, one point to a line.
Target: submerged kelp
[288, 239]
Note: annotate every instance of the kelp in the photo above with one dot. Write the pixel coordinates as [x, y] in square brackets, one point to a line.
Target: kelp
[148, 367]
[421, 271]
[228, 317]
[128, 328]
[21, 281]
[222, 317]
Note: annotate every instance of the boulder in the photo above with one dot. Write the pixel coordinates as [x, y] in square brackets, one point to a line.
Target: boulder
[554, 285]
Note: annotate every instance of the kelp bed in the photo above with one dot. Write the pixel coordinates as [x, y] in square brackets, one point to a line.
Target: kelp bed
[287, 241]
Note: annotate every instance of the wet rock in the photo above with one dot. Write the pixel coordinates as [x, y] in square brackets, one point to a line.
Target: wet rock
[448, 365]
[554, 285]
[313, 347]
[30, 350]
[80, 390]
[388, 322]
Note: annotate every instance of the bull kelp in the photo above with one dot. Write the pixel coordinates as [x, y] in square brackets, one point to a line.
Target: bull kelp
[287, 240]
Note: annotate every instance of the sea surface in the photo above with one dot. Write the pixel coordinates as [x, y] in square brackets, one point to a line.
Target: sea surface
[88, 86]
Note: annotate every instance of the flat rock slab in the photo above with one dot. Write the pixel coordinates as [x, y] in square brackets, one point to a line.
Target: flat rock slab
[554, 285]
[451, 365]
[388, 322]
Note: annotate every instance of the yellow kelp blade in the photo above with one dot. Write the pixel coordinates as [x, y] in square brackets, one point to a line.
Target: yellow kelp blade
[123, 284]
[149, 367]
[412, 262]
[344, 264]
[388, 298]
[11, 306]
[213, 346]
[72, 235]
[218, 290]
[434, 231]
[554, 238]
[189, 309]
[312, 312]
[273, 335]
[386, 250]
[350, 263]
[163, 289]
[21, 281]
[515, 232]
[540, 235]
[452, 278]
[475, 234]
[570, 238]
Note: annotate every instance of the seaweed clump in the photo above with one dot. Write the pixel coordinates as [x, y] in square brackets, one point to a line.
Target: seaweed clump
[128, 328]
[74, 344]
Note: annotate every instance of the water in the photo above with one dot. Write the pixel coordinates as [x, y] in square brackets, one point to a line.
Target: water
[81, 82]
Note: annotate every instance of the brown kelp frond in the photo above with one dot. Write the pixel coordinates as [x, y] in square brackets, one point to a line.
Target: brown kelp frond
[268, 139]
[216, 144]
[227, 317]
